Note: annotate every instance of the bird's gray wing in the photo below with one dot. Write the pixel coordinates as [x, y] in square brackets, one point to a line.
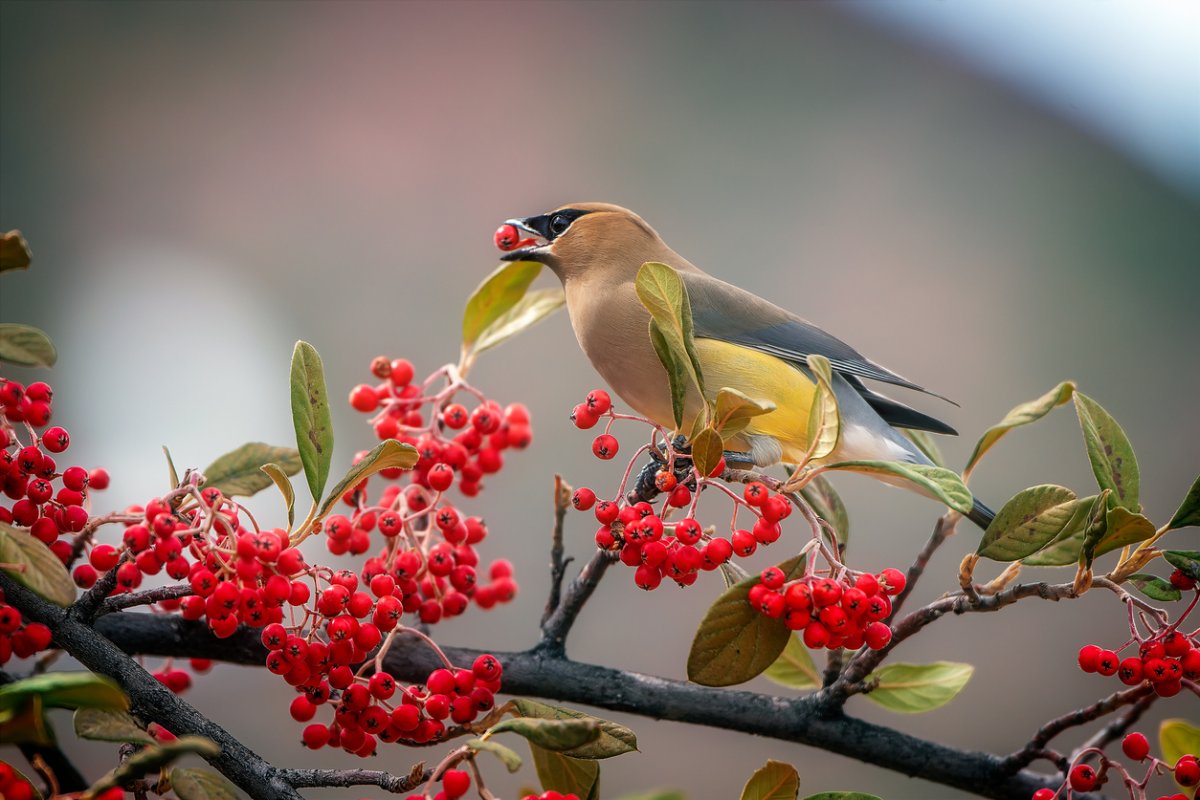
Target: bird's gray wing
[723, 311]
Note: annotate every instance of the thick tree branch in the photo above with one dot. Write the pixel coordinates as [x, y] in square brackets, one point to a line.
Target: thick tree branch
[805, 720]
[314, 778]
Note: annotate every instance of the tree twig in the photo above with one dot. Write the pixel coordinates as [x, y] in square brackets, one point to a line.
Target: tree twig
[558, 564]
[558, 625]
[336, 778]
[941, 532]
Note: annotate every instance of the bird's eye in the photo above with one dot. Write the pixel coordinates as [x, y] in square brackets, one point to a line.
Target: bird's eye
[559, 223]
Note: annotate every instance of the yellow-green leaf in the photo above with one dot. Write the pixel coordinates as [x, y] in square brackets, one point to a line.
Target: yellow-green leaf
[734, 410]
[26, 722]
[310, 415]
[239, 472]
[279, 477]
[152, 759]
[527, 312]
[824, 423]
[109, 725]
[508, 757]
[677, 377]
[707, 450]
[1177, 738]
[827, 503]
[1109, 451]
[26, 346]
[842, 796]
[1029, 521]
[942, 483]
[1188, 513]
[578, 776]
[1123, 527]
[66, 690]
[14, 252]
[1154, 587]
[1020, 415]
[917, 688]
[663, 294]
[773, 781]
[1186, 561]
[201, 784]
[1094, 529]
[389, 454]
[172, 473]
[735, 642]
[495, 296]
[794, 668]
[37, 566]
[1064, 549]
[559, 735]
[613, 740]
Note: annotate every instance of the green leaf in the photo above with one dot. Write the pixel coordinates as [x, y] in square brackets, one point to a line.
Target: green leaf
[510, 759]
[26, 346]
[239, 472]
[109, 725]
[201, 784]
[794, 668]
[152, 759]
[941, 483]
[1177, 738]
[172, 474]
[1094, 529]
[773, 781]
[1113, 462]
[842, 796]
[578, 776]
[1064, 549]
[676, 374]
[559, 735]
[734, 642]
[66, 690]
[613, 740]
[41, 571]
[1186, 561]
[1023, 414]
[663, 294]
[280, 478]
[926, 444]
[389, 454]
[707, 450]
[1123, 527]
[734, 410]
[824, 499]
[1032, 519]
[917, 688]
[1188, 513]
[824, 422]
[527, 312]
[310, 414]
[14, 252]
[495, 296]
[1154, 587]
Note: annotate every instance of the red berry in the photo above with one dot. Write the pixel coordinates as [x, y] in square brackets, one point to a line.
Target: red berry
[583, 417]
[583, 499]
[1082, 778]
[363, 398]
[506, 237]
[605, 446]
[98, 479]
[1136, 746]
[1108, 663]
[598, 402]
[877, 635]
[1187, 771]
[440, 477]
[1089, 657]
[1130, 671]
[893, 580]
[55, 439]
[1044, 794]
[455, 782]
[401, 372]
[772, 578]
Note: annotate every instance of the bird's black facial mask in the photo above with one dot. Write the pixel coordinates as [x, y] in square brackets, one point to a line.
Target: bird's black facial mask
[545, 228]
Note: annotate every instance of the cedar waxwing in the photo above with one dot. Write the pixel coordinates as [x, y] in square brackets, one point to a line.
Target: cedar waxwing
[743, 342]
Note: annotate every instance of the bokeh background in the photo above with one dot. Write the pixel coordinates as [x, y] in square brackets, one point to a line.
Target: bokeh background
[987, 197]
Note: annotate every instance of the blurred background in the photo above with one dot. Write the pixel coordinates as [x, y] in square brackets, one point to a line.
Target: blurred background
[987, 197]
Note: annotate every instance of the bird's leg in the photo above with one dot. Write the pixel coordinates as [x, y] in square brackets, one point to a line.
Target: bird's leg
[738, 459]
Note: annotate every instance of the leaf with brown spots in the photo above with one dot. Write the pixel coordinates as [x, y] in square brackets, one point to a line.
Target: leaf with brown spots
[1110, 452]
[310, 414]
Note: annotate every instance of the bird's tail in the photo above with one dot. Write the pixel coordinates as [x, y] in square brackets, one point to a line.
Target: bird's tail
[981, 515]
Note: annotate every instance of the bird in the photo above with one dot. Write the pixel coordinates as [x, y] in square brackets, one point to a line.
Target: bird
[743, 341]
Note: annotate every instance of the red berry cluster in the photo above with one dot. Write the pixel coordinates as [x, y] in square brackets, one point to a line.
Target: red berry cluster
[832, 613]
[1083, 777]
[367, 712]
[13, 786]
[18, 637]
[38, 496]
[1164, 660]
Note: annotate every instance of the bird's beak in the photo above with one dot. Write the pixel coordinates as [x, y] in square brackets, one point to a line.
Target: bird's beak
[534, 252]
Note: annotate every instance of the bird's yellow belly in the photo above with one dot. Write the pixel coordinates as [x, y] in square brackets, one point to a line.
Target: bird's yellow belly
[764, 378]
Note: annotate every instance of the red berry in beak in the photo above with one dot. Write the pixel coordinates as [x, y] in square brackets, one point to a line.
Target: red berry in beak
[506, 237]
